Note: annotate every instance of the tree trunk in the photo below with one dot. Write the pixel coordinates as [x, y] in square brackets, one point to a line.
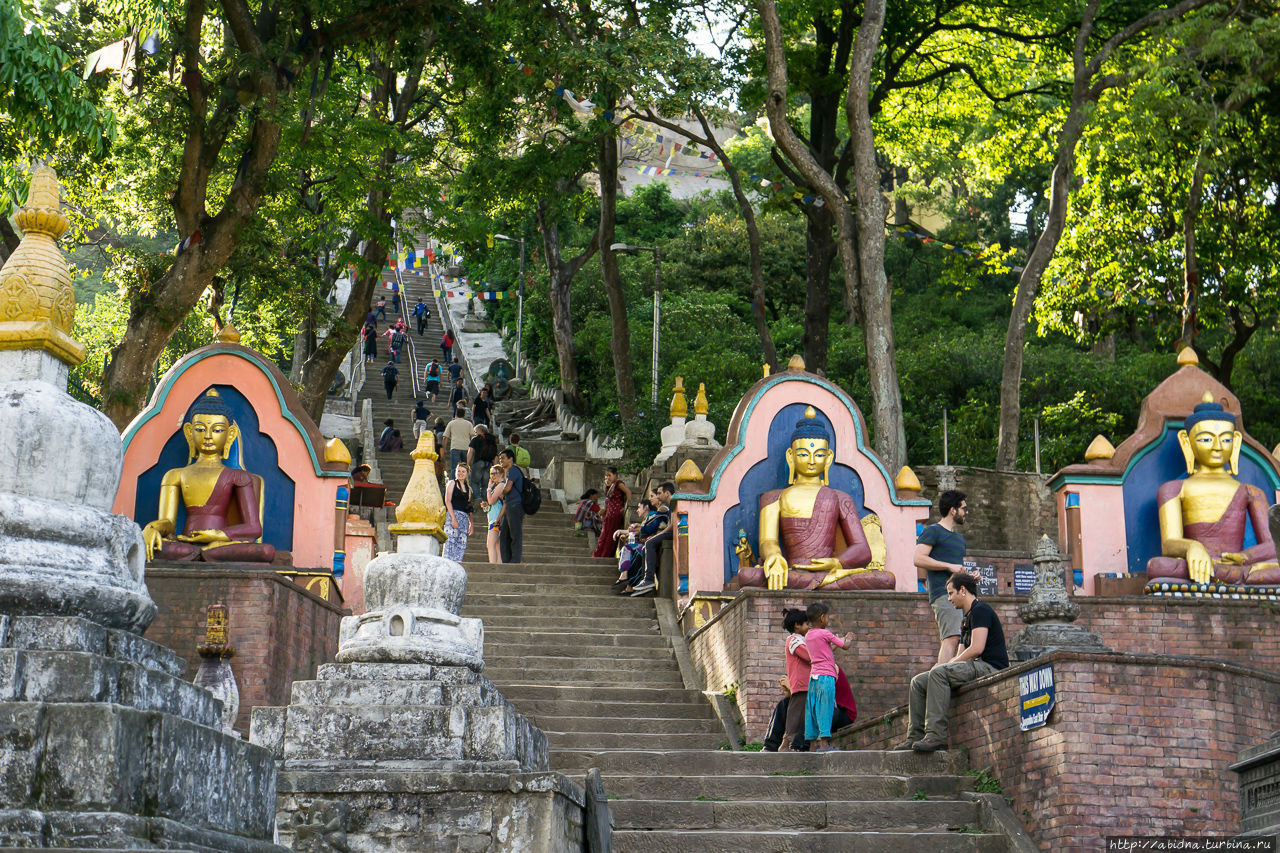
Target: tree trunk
[820, 251]
[1190, 266]
[620, 341]
[561, 275]
[865, 264]
[708, 139]
[1086, 87]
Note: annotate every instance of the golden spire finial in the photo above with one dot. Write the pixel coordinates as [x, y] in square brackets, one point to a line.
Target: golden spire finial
[766, 370]
[1099, 448]
[1187, 356]
[700, 402]
[229, 334]
[37, 301]
[810, 412]
[679, 405]
[689, 473]
[1206, 397]
[336, 451]
[907, 481]
[421, 510]
[796, 362]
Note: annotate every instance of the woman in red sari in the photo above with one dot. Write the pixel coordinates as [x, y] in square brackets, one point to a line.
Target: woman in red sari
[617, 496]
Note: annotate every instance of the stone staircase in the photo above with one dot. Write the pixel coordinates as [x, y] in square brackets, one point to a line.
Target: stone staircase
[596, 673]
[396, 467]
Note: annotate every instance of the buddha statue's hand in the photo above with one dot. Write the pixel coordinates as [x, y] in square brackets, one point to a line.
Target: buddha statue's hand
[824, 564]
[1235, 558]
[775, 572]
[205, 537]
[152, 539]
[1199, 564]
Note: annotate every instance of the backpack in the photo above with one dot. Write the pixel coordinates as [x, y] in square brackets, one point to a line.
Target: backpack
[397, 339]
[433, 371]
[530, 495]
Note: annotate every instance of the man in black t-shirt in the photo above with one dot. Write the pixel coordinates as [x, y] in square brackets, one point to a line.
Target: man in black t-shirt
[982, 652]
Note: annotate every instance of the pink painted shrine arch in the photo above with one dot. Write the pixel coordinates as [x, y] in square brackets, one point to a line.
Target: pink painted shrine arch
[710, 505]
[300, 447]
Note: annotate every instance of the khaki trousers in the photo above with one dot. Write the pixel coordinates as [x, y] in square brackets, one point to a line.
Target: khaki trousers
[931, 695]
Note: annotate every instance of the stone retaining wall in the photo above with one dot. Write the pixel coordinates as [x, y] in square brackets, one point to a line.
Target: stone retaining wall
[280, 631]
[1136, 744]
[895, 637]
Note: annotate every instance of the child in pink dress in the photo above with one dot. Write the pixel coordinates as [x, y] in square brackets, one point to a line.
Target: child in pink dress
[821, 699]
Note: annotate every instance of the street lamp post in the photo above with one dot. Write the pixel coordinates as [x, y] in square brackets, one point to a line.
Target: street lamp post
[520, 306]
[624, 249]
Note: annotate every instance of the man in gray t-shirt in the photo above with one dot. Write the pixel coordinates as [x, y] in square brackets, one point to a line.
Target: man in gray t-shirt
[940, 551]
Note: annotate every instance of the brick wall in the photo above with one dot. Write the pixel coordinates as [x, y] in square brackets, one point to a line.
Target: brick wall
[1008, 510]
[281, 632]
[1136, 744]
[896, 638]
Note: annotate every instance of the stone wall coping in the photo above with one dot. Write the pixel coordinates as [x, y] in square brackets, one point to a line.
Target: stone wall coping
[179, 571]
[1091, 601]
[1065, 656]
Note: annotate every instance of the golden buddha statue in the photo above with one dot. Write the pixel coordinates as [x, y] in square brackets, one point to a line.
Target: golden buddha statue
[1202, 518]
[814, 525]
[223, 503]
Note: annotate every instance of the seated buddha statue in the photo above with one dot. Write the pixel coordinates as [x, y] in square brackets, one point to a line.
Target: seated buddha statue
[1202, 518]
[222, 503]
[810, 534]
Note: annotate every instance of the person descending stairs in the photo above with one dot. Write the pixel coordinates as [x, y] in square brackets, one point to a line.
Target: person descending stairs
[595, 671]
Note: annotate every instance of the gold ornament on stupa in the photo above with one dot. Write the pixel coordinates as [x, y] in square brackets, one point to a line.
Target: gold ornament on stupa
[37, 301]
[421, 510]
[679, 405]
[700, 402]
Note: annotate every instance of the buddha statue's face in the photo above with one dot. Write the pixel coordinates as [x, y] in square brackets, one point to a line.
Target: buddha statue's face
[1213, 444]
[809, 458]
[209, 435]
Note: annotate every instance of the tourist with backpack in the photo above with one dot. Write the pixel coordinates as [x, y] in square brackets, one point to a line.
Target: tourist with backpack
[446, 345]
[397, 343]
[511, 534]
[431, 380]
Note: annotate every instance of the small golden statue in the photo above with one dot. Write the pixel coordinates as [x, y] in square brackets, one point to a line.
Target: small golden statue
[746, 557]
[807, 520]
[1202, 518]
[223, 503]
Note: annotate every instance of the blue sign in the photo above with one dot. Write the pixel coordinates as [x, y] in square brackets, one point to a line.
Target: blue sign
[1035, 696]
[1024, 575]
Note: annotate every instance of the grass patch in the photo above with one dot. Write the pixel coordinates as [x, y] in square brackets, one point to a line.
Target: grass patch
[754, 746]
[920, 794]
[984, 782]
[792, 773]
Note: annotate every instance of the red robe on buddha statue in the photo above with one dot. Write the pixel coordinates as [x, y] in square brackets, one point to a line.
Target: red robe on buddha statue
[804, 540]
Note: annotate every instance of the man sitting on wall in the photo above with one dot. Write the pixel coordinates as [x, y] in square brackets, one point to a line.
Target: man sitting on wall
[982, 652]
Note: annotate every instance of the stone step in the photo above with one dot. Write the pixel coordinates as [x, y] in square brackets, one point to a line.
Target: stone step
[598, 589]
[829, 812]
[523, 605]
[670, 762]
[779, 785]
[561, 741]
[514, 619]
[541, 708]
[566, 675]
[552, 642]
[650, 725]
[522, 690]
[804, 841]
[645, 660]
